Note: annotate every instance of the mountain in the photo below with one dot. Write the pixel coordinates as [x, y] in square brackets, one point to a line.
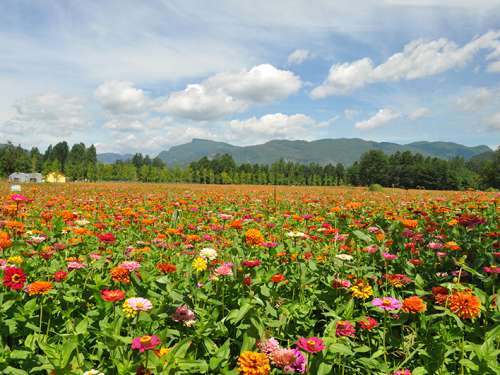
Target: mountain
[110, 157]
[323, 151]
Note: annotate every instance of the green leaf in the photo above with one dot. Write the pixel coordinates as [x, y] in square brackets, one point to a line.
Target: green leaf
[324, 369]
[362, 236]
[469, 364]
[236, 315]
[340, 349]
[419, 371]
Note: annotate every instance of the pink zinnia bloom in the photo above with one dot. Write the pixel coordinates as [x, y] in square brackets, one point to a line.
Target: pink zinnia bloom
[224, 270]
[251, 263]
[139, 304]
[130, 265]
[183, 314]
[372, 249]
[95, 256]
[389, 256]
[339, 283]
[435, 245]
[18, 198]
[143, 343]
[269, 245]
[345, 328]
[387, 303]
[282, 357]
[491, 269]
[405, 371]
[268, 346]
[75, 265]
[311, 344]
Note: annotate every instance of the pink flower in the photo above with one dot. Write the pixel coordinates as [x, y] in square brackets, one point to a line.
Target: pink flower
[311, 344]
[435, 245]
[389, 256]
[143, 343]
[251, 263]
[387, 303]
[268, 346]
[491, 269]
[224, 270]
[339, 283]
[372, 249]
[183, 314]
[405, 371]
[75, 265]
[130, 265]
[18, 198]
[345, 328]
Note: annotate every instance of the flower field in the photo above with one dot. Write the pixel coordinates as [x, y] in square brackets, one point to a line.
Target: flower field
[125, 278]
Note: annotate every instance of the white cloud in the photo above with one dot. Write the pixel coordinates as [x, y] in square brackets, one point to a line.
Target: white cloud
[121, 97]
[418, 59]
[418, 113]
[49, 114]
[124, 125]
[350, 113]
[475, 100]
[493, 122]
[227, 93]
[382, 117]
[298, 56]
[277, 125]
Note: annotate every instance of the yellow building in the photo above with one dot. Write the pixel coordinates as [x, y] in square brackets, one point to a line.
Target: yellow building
[55, 177]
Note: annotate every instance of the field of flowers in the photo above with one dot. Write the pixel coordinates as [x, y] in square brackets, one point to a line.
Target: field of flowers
[187, 279]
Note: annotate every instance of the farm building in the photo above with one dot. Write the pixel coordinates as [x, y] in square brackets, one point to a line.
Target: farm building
[55, 177]
[25, 177]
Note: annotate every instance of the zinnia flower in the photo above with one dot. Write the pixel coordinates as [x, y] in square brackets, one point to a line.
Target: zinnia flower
[253, 363]
[253, 237]
[368, 323]
[14, 278]
[345, 328]
[414, 305]
[199, 264]
[278, 278]
[311, 344]
[361, 290]
[132, 306]
[60, 275]
[282, 357]
[465, 305]
[38, 288]
[112, 295]
[143, 343]
[166, 267]
[224, 270]
[208, 253]
[268, 346]
[404, 371]
[93, 372]
[184, 314]
[130, 265]
[387, 303]
[251, 263]
[120, 275]
[107, 238]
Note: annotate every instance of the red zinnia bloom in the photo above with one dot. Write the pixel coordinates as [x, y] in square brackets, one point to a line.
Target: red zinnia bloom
[112, 295]
[278, 278]
[368, 323]
[251, 263]
[14, 278]
[166, 267]
[60, 275]
[107, 238]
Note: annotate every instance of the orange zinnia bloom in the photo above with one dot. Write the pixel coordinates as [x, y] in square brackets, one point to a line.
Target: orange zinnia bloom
[414, 305]
[253, 237]
[39, 287]
[465, 305]
[120, 275]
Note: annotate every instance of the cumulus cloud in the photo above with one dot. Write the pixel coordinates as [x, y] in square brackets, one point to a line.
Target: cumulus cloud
[350, 113]
[382, 117]
[121, 97]
[298, 56]
[493, 122]
[418, 113]
[419, 59]
[227, 93]
[277, 125]
[46, 114]
[476, 99]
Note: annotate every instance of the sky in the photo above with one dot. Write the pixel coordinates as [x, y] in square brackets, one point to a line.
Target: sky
[143, 76]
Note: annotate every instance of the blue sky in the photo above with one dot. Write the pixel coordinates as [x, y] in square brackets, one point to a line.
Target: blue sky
[134, 76]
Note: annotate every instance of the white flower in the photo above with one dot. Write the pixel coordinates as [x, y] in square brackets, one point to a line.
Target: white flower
[208, 253]
[295, 234]
[93, 372]
[344, 257]
[82, 222]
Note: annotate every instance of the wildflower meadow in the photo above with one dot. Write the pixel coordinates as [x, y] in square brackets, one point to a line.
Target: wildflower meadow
[129, 278]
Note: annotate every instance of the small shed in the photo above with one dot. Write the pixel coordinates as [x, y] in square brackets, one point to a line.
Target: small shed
[25, 177]
[55, 177]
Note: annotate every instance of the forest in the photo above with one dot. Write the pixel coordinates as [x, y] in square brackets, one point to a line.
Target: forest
[401, 169]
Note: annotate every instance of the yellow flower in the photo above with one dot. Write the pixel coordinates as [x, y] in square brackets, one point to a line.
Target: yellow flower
[16, 259]
[452, 222]
[199, 264]
[163, 351]
[128, 310]
[253, 363]
[361, 290]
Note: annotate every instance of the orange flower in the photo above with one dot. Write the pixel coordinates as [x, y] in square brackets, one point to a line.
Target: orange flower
[409, 223]
[39, 287]
[452, 245]
[253, 363]
[465, 305]
[5, 241]
[414, 305]
[120, 275]
[253, 237]
[278, 278]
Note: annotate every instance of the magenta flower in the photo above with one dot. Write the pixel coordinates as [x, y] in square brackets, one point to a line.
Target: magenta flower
[143, 343]
[311, 344]
[389, 256]
[405, 371]
[345, 328]
[18, 198]
[387, 303]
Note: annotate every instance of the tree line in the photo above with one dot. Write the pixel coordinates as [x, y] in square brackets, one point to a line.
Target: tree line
[401, 169]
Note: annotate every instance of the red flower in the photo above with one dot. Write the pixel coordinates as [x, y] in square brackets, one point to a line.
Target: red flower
[251, 263]
[14, 278]
[247, 281]
[166, 267]
[60, 275]
[368, 323]
[112, 295]
[107, 238]
[311, 344]
[278, 278]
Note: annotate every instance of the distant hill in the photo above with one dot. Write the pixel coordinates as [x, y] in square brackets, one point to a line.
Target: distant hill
[110, 157]
[323, 151]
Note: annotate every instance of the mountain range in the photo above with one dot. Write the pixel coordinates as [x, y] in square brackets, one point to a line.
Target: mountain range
[323, 151]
